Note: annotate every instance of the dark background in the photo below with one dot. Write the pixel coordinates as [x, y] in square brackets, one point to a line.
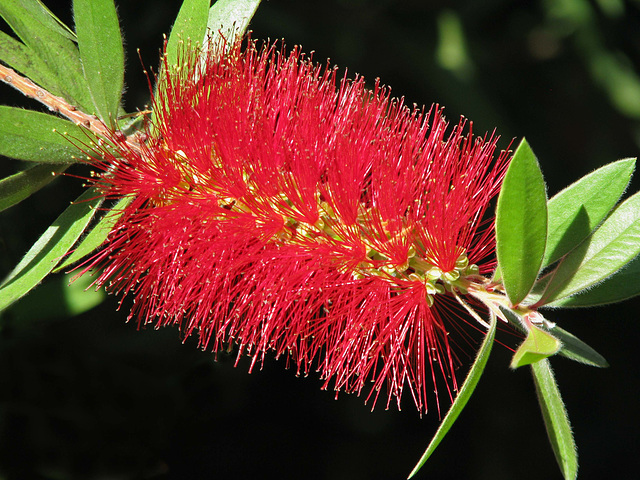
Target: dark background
[89, 396]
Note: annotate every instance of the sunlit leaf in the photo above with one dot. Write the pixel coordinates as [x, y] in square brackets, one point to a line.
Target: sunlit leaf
[33, 13]
[230, 18]
[46, 253]
[578, 209]
[17, 187]
[464, 395]
[555, 419]
[190, 26]
[53, 43]
[96, 236]
[38, 137]
[538, 345]
[610, 248]
[21, 58]
[571, 346]
[620, 286]
[102, 55]
[521, 224]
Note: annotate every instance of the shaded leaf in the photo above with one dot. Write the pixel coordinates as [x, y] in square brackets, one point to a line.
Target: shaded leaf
[555, 418]
[521, 224]
[538, 289]
[101, 53]
[46, 253]
[19, 186]
[38, 137]
[578, 209]
[603, 253]
[576, 349]
[464, 395]
[96, 236]
[58, 297]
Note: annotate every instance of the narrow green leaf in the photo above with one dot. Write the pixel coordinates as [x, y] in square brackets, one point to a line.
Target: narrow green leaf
[607, 250]
[53, 43]
[33, 12]
[21, 58]
[19, 186]
[497, 275]
[538, 289]
[190, 26]
[576, 349]
[101, 53]
[46, 253]
[514, 318]
[38, 137]
[188, 30]
[578, 209]
[464, 394]
[555, 419]
[521, 224]
[538, 345]
[58, 297]
[571, 346]
[620, 286]
[230, 18]
[96, 236]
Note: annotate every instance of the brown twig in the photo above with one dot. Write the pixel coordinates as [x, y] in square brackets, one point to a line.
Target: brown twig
[60, 105]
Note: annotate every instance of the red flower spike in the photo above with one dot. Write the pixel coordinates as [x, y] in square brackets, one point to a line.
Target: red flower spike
[281, 209]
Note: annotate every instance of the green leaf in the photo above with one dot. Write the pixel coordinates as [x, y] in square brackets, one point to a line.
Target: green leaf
[603, 253]
[620, 286]
[521, 224]
[38, 137]
[57, 297]
[96, 236]
[497, 275]
[46, 253]
[33, 13]
[537, 346]
[230, 18]
[464, 395]
[576, 349]
[555, 418]
[21, 58]
[19, 186]
[53, 43]
[578, 209]
[101, 53]
[190, 26]
[571, 346]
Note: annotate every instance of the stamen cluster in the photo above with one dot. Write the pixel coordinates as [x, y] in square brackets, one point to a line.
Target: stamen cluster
[279, 207]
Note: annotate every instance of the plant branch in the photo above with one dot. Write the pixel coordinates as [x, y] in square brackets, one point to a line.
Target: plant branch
[60, 105]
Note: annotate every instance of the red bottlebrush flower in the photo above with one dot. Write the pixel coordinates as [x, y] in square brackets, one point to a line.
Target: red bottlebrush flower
[280, 208]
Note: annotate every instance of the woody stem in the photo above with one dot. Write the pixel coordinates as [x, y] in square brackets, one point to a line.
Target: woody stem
[59, 105]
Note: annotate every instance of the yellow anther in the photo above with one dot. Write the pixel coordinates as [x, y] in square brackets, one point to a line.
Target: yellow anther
[434, 273]
[451, 276]
[473, 269]
[462, 262]
[429, 300]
